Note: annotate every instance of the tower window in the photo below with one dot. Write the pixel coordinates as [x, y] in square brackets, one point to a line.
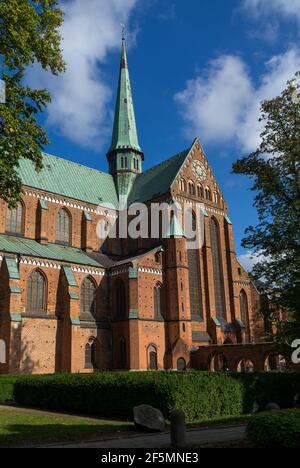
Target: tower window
[195, 280]
[217, 269]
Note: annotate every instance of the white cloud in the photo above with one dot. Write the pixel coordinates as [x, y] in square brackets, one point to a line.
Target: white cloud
[288, 8]
[80, 97]
[249, 260]
[223, 104]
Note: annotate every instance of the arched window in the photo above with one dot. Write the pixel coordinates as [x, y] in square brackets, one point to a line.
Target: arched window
[158, 301]
[90, 354]
[36, 293]
[200, 192]
[120, 300]
[125, 162]
[152, 358]
[2, 352]
[182, 185]
[208, 194]
[181, 364]
[191, 188]
[217, 269]
[245, 312]
[123, 353]
[122, 162]
[195, 279]
[216, 197]
[63, 227]
[14, 219]
[88, 299]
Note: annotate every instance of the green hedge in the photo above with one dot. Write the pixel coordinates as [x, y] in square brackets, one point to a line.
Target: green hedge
[7, 383]
[200, 395]
[269, 387]
[275, 429]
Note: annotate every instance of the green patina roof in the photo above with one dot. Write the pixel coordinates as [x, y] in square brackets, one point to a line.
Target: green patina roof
[70, 179]
[157, 180]
[31, 248]
[125, 132]
[12, 267]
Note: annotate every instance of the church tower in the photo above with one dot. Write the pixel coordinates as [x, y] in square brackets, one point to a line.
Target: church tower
[125, 155]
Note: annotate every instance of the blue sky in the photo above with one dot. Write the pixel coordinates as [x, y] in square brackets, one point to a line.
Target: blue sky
[198, 68]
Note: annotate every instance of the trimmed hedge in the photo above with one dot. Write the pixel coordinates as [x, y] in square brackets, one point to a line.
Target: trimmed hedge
[7, 383]
[275, 429]
[199, 395]
[269, 387]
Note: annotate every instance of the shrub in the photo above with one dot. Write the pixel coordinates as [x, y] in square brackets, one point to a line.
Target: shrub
[269, 387]
[7, 388]
[275, 429]
[199, 395]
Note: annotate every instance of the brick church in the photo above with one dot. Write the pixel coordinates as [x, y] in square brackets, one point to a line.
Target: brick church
[72, 302]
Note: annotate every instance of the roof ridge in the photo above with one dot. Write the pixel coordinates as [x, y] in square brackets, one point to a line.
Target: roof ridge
[165, 161]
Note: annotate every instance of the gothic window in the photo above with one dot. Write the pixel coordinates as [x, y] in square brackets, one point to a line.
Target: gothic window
[195, 280]
[200, 193]
[120, 300]
[182, 185]
[88, 299]
[208, 194]
[216, 197]
[217, 269]
[158, 301]
[125, 163]
[152, 358]
[63, 227]
[14, 219]
[90, 354]
[191, 188]
[36, 293]
[181, 365]
[123, 356]
[244, 311]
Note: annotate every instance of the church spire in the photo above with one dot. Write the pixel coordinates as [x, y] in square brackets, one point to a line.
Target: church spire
[125, 155]
[125, 131]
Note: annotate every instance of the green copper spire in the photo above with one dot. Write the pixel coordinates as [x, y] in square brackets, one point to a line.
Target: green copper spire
[125, 155]
[125, 132]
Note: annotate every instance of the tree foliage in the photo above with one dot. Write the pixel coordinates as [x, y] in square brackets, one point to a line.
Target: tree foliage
[275, 171]
[29, 34]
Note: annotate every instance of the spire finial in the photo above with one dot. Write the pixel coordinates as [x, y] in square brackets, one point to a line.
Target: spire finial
[123, 31]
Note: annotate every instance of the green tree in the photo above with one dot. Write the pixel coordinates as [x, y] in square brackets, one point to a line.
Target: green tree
[275, 171]
[29, 34]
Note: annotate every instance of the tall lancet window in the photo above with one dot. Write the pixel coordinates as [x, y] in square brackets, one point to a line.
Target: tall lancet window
[195, 280]
[63, 227]
[217, 269]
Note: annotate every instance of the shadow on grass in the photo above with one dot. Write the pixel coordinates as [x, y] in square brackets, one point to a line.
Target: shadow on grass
[24, 434]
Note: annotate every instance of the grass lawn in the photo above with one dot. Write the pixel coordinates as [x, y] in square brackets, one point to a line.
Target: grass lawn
[26, 426]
